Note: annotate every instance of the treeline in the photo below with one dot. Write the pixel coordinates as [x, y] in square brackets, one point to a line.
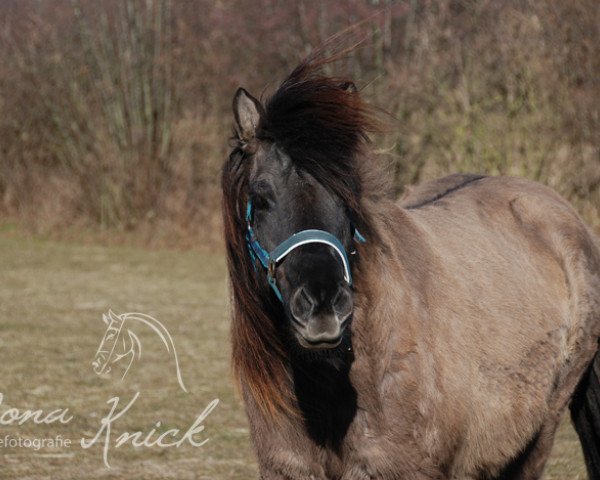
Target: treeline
[115, 114]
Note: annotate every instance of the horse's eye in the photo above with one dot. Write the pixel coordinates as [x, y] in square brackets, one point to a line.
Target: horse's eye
[261, 194]
[260, 202]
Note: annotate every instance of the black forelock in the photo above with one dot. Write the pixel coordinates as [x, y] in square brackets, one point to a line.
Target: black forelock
[322, 124]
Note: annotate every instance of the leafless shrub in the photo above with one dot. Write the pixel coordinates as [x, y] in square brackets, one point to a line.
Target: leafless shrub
[505, 88]
[96, 99]
[125, 104]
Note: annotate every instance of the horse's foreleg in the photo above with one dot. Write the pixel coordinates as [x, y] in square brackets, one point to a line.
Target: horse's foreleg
[585, 413]
[285, 464]
[530, 463]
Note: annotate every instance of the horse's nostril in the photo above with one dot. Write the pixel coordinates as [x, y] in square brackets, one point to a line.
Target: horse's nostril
[305, 296]
[338, 297]
[342, 303]
[302, 304]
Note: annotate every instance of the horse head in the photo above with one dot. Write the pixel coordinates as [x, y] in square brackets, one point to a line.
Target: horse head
[300, 189]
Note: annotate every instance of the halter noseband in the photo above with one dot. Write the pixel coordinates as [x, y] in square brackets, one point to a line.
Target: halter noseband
[269, 260]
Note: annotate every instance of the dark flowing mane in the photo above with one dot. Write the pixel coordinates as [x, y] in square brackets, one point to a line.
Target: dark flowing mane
[323, 125]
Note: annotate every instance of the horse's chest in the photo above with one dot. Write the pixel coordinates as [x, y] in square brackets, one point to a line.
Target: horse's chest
[376, 447]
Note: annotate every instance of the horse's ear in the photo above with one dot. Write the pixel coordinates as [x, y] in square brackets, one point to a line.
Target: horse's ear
[349, 87]
[247, 111]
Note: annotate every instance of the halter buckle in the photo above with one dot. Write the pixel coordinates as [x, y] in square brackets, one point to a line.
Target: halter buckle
[271, 268]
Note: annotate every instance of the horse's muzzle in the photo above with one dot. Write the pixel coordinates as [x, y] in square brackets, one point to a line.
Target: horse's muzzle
[319, 320]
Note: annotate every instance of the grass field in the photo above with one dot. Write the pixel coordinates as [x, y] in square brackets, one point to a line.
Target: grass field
[52, 299]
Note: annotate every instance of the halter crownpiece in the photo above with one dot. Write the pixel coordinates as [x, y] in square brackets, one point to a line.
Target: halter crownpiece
[269, 260]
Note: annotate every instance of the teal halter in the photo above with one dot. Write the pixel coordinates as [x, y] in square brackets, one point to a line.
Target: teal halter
[269, 260]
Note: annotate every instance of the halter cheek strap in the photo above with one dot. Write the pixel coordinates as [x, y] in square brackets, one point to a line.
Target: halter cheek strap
[269, 260]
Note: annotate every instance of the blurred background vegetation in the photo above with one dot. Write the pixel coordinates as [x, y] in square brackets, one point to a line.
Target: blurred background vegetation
[115, 115]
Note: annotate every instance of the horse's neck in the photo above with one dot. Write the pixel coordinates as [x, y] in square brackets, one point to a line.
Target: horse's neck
[327, 391]
[325, 397]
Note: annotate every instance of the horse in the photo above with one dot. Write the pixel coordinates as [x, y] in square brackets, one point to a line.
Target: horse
[439, 336]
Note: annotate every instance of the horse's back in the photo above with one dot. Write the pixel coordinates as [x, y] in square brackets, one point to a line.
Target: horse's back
[514, 271]
[428, 192]
[531, 212]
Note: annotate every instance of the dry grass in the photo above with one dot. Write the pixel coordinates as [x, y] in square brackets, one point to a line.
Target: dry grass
[51, 304]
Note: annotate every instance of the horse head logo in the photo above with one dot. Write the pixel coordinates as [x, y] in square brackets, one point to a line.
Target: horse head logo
[120, 345]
